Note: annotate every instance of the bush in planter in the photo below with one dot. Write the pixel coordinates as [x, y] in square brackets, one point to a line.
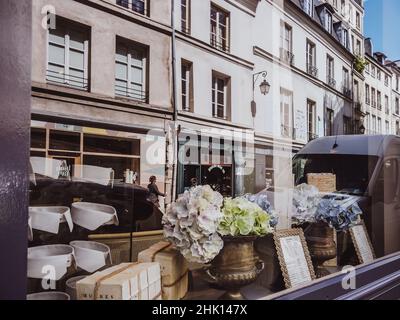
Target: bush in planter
[360, 64]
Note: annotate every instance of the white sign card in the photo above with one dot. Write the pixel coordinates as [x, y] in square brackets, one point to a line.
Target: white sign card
[362, 243]
[294, 257]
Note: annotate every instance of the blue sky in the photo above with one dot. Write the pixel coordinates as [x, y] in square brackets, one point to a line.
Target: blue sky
[383, 26]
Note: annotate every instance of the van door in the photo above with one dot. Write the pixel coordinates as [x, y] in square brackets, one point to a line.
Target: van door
[386, 208]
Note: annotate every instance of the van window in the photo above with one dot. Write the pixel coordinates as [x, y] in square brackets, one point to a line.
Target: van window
[353, 172]
[386, 184]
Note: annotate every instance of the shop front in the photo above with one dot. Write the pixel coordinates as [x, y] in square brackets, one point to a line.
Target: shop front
[220, 161]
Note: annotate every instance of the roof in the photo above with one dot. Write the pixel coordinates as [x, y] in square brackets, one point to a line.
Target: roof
[376, 145]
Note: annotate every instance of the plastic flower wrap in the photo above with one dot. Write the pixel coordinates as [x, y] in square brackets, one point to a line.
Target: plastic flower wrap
[340, 216]
[306, 199]
[244, 218]
[191, 224]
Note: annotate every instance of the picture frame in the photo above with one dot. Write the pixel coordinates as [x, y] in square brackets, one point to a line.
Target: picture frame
[294, 257]
[362, 243]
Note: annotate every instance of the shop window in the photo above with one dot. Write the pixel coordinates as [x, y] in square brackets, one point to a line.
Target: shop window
[38, 138]
[64, 140]
[111, 145]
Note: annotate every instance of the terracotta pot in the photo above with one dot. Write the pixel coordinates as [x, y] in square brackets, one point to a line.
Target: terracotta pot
[236, 266]
[320, 240]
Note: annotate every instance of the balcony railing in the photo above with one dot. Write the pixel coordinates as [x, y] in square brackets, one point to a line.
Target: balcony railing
[331, 82]
[286, 56]
[68, 80]
[347, 92]
[312, 71]
[219, 44]
[138, 6]
[134, 94]
[288, 132]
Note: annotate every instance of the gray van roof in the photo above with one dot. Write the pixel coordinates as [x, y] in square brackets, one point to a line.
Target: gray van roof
[376, 145]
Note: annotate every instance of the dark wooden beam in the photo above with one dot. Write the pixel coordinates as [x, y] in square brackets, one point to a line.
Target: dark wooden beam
[15, 104]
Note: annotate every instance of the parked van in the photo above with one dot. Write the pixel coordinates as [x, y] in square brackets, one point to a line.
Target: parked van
[367, 167]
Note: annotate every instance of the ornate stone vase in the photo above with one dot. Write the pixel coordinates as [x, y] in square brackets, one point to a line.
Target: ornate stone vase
[322, 246]
[236, 266]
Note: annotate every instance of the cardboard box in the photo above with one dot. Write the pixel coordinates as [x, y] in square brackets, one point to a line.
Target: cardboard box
[127, 281]
[174, 269]
[325, 182]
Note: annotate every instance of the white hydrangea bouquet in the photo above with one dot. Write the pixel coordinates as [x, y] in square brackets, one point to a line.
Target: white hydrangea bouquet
[198, 220]
[191, 224]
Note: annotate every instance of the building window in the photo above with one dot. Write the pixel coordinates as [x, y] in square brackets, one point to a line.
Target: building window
[346, 83]
[131, 71]
[187, 85]
[379, 125]
[310, 59]
[347, 125]
[68, 55]
[386, 80]
[397, 127]
[367, 95]
[373, 97]
[139, 6]
[287, 129]
[311, 120]
[378, 75]
[379, 98]
[343, 7]
[345, 38]
[397, 106]
[185, 16]
[327, 18]
[286, 43]
[330, 114]
[373, 124]
[220, 96]
[219, 28]
[308, 7]
[397, 83]
[358, 47]
[373, 71]
[387, 111]
[356, 96]
[358, 20]
[387, 127]
[330, 71]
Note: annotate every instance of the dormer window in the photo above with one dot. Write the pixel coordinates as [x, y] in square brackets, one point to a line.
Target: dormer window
[327, 21]
[345, 38]
[308, 7]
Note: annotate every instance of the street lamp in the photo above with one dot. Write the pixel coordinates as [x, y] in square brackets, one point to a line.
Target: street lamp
[264, 86]
[264, 89]
[362, 129]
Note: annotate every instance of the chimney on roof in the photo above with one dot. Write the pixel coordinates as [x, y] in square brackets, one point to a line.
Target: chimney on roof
[369, 48]
[380, 57]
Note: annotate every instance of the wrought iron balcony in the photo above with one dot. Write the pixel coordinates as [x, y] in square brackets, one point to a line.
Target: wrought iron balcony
[331, 82]
[138, 6]
[288, 132]
[67, 80]
[134, 94]
[347, 92]
[312, 71]
[286, 56]
[219, 43]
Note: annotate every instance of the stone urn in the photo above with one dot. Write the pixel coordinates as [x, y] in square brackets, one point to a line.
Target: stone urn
[322, 246]
[236, 266]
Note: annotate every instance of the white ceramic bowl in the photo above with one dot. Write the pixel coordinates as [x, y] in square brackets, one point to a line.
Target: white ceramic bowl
[43, 260]
[92, 216]
[70, 285]
[52, 295]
